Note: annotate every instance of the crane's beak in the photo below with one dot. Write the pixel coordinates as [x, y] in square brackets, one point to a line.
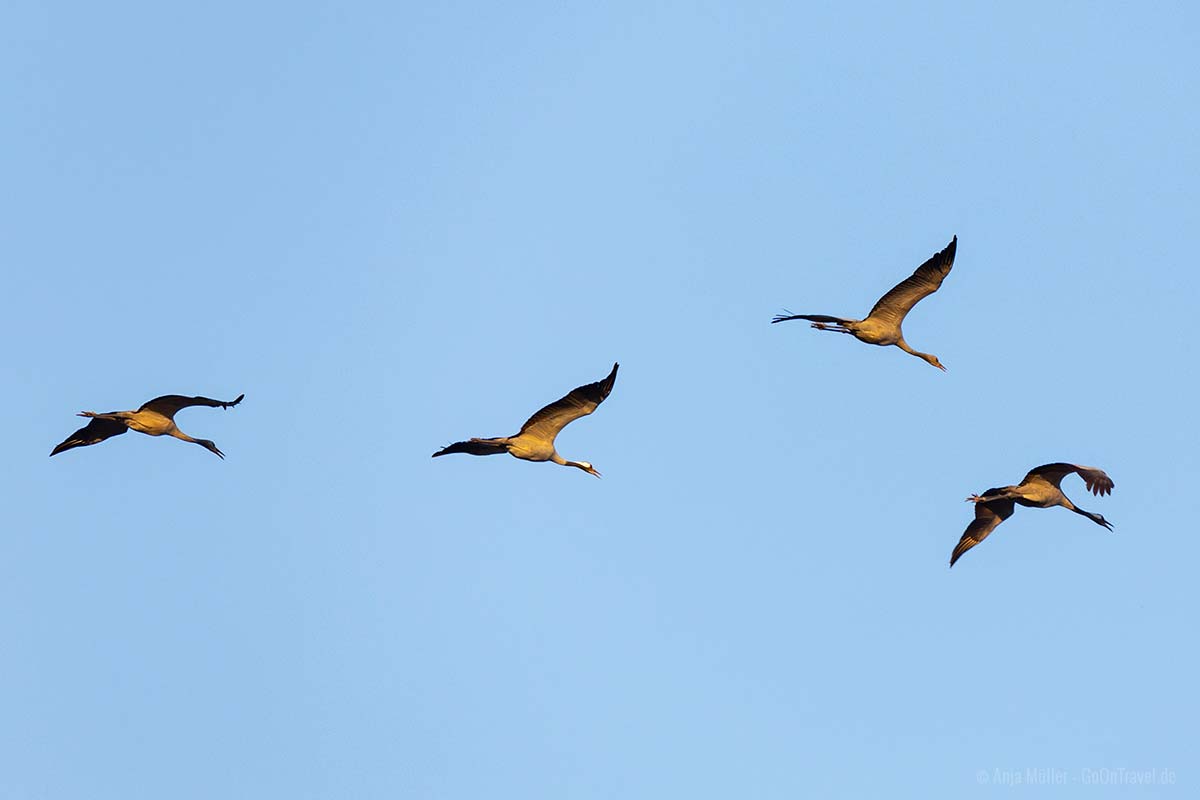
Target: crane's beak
[596, 472]
[943, 369]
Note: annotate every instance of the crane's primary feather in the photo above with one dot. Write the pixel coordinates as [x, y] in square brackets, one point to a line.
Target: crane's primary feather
[811, 318]
[475, 447]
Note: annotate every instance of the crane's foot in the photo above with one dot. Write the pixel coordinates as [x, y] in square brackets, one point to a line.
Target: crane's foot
[975, 499]
[821, 326]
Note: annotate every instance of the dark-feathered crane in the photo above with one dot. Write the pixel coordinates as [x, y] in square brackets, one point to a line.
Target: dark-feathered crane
[1038, 489]
[535, 442]
[882, 325]
[155, 418]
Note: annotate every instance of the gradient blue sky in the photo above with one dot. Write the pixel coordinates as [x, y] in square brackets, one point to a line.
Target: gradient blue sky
[396, 225]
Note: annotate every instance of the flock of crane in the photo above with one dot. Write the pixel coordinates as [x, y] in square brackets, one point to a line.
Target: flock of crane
[1040, 488]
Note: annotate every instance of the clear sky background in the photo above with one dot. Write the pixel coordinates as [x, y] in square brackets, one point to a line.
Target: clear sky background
[396, 225]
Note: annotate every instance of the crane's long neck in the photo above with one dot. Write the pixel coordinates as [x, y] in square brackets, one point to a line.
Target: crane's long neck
[207, 444]
[1067, 504]
[928, 357]
[178, 434]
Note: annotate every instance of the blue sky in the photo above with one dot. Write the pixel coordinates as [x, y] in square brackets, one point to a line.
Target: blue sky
[397, 225]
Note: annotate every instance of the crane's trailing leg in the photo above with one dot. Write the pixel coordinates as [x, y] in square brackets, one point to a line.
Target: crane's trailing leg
[821, 326]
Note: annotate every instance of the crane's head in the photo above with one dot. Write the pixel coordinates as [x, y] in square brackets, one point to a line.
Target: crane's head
[1100, 520]
[211, 446]
[586, 467]
[932, 359]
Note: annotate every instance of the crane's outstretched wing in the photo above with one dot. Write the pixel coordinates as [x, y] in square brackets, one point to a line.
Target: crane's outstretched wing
[1096, 480]
[987, 516]
[894, 305]
[94, 432]
[475, 447]
[168, 404]
[547, 422]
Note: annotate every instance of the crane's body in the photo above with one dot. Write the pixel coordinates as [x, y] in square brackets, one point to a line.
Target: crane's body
[1037, 492]
[148, 422]
[526, 448]
[1040, 488]
[535, 441]
[882, 326]
[154, 418]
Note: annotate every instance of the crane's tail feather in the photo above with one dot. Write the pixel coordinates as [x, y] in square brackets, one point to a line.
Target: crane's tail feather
[810, 317]
[475, 447]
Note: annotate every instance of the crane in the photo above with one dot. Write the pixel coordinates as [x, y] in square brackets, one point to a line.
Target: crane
[1038, 489]
[535, 441]
[155, 418]
[882, 325]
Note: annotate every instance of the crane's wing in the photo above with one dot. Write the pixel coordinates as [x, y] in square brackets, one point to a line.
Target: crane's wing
[987, 516]
[1096, 480]
[547, 422]
[475, 447]
[168, 404]
[894, 305]
[94, 432]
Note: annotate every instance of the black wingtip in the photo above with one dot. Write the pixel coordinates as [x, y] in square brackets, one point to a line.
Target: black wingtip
[960, 551]
[610, 380]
